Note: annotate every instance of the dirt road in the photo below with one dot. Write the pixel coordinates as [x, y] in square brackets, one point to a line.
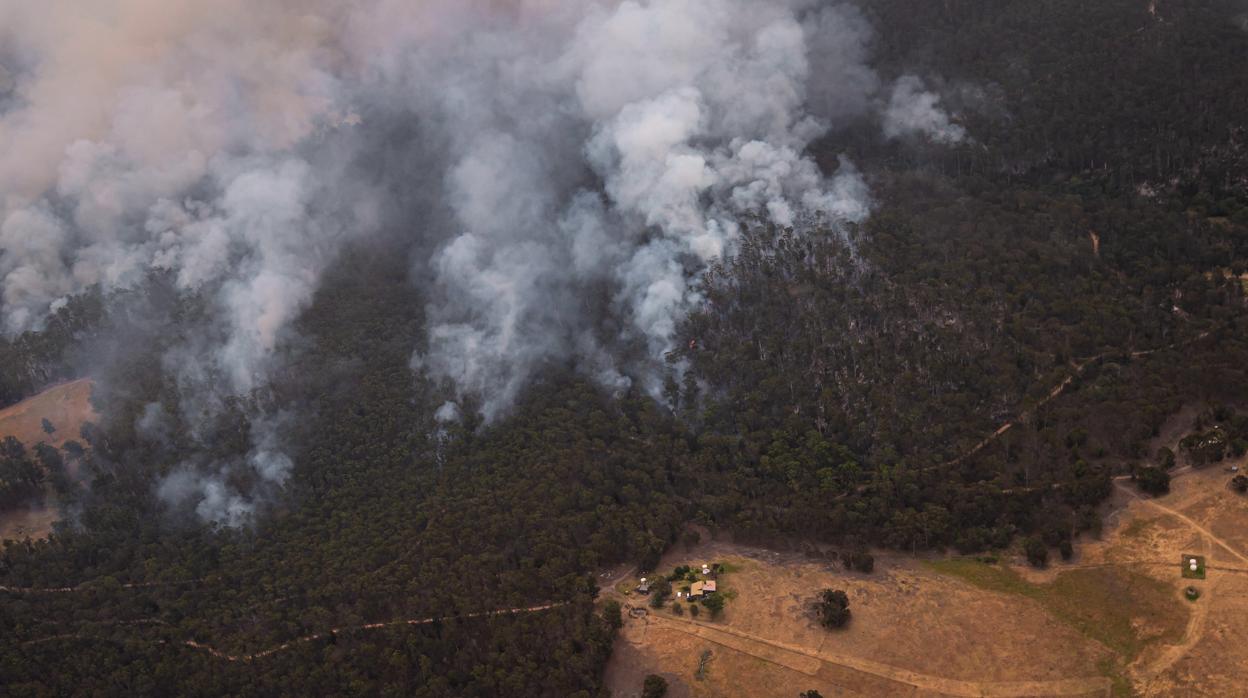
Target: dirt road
[1195, 630]
[809, 661]
[1077, 368]
[799, 659]
[219, 654]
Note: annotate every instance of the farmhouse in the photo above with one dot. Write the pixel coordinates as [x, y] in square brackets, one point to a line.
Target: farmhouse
[696, 590]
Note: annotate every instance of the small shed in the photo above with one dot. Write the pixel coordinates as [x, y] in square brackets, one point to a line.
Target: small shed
[644, 587]
[708, 587]
[1193, 566]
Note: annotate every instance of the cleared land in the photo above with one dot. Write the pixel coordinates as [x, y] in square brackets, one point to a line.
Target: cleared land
[1113, 621]
[914, 631]
[66, 406]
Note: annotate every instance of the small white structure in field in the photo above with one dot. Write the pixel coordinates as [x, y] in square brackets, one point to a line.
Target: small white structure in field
[1192, 564]
[706, 569]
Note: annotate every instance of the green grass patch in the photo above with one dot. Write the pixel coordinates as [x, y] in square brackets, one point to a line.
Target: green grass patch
[1120, 685]
[1138, 527]
[1098, 602]
[984, 575]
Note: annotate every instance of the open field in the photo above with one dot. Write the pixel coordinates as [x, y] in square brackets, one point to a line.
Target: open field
[914, 631]
[66, 406]
[1112, 621]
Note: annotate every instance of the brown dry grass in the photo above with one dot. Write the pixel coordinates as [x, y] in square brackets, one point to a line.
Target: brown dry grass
[66, 406]
[1208, 659]
[913, 630]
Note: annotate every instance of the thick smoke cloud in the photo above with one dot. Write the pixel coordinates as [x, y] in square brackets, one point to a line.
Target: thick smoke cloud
[589, 160]
[914, 111]
[138, 135]
[612, 155]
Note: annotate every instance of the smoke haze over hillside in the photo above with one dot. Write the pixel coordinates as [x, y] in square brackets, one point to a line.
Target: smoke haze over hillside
[574, 167]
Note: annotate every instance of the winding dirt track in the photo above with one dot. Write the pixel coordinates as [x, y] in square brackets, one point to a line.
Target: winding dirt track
[203, 647]
[781, 653]
[808, 661]
[1196, 626]
[1057, 390]
[369, 626]
[1185, 519]
[799, 658]
[84, 587]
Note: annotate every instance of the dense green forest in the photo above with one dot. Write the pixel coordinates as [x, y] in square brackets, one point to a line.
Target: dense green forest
[1095, 228]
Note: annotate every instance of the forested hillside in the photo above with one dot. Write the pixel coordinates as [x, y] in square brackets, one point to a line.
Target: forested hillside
[1090, 237]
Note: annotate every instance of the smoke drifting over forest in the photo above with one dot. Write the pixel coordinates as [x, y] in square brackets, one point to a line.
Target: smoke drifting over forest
[565, 170]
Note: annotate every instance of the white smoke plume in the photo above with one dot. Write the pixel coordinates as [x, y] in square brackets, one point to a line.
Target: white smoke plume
[609, 155]
[589, 159]
[141, 135]
[914, 111]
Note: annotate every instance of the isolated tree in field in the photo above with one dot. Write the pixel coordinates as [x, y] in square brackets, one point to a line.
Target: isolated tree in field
[714, 603]
[47, 426]
[1239, 483]
[1037, 552]
[833, 608]
[655, 686]
[694, 610]
[812, 693]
